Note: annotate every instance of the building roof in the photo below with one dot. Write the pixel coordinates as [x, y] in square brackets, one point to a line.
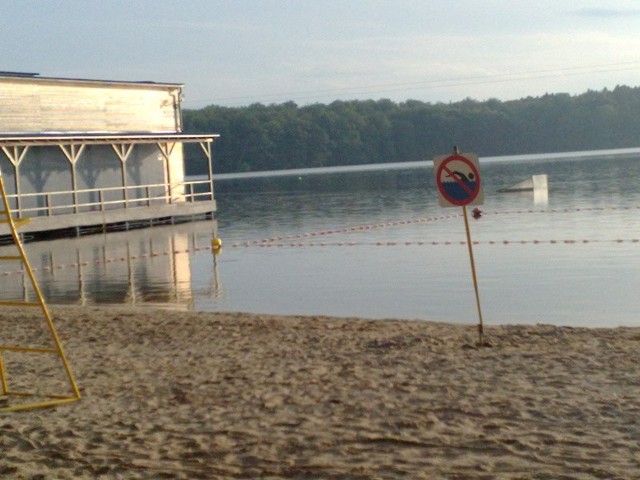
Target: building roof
[13, 140]
[30, 76]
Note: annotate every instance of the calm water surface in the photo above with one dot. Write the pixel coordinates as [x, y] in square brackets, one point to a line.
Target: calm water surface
[374, 243]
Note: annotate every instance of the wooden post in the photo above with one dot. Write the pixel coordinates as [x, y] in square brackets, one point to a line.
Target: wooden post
[123, 150]
[475, 277]
[206, 148]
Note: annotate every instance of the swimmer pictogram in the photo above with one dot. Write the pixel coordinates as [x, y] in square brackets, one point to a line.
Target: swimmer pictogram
[458, 180]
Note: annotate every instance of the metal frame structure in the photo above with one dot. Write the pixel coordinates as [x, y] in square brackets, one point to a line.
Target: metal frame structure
[26, 399]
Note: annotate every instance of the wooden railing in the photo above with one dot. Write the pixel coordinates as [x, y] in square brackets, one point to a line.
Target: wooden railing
[101, 199]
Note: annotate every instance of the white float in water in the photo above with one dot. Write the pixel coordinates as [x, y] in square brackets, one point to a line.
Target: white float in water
[535, 183]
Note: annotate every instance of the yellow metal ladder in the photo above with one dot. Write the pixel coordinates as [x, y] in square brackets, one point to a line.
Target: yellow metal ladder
[25, 367]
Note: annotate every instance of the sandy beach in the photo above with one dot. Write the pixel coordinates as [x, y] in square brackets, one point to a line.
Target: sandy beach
[240, 396]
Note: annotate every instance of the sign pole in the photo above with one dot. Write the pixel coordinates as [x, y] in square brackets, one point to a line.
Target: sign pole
[458, 182]
[473, 274]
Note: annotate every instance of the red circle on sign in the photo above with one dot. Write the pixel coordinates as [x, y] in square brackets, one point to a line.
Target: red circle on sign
[473, 193]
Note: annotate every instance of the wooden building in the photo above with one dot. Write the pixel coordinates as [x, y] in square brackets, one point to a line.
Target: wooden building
[91, 154]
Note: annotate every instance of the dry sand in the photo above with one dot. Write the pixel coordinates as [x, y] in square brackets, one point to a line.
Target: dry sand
[216, 396]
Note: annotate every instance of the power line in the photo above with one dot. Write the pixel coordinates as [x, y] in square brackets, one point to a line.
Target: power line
[434, 84]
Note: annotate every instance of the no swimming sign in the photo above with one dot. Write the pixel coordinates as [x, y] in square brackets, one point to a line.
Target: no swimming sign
[458, 180]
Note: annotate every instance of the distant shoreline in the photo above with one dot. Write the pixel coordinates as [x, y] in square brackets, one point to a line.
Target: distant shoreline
[418, 164]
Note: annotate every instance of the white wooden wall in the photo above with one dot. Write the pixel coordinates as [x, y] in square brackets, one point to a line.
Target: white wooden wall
[33, 105]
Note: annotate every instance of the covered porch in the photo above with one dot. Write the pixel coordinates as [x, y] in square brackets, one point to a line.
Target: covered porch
[69, 181]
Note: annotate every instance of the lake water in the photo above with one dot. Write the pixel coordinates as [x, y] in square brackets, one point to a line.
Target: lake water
[373, 242]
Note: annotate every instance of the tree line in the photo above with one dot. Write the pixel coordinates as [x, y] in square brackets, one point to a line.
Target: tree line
[281, 136]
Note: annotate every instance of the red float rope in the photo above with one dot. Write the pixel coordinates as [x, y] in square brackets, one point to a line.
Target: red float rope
[321, 233]
[358, 228]
[337, 244]
[441, 242]
[286, 240]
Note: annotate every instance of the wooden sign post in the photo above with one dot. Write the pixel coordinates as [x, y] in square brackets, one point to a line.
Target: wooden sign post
[458, 182]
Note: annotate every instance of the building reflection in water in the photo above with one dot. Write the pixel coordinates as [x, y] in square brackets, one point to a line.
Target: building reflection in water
[141, 267]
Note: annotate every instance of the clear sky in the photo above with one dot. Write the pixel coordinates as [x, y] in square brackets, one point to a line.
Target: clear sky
[237, 52]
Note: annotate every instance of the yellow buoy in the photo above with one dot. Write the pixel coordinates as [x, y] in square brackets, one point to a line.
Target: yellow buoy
[216, 245]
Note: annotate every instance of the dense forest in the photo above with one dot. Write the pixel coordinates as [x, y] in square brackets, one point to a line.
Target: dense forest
[279, 136]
